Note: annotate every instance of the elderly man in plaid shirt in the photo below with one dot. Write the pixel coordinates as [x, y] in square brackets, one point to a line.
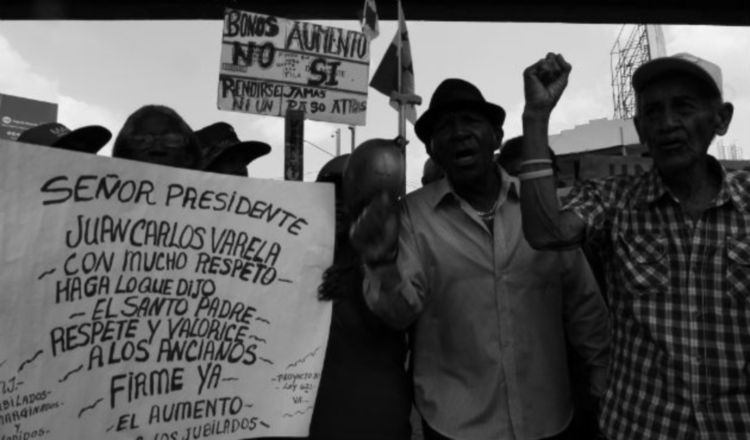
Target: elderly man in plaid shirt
[676, 245]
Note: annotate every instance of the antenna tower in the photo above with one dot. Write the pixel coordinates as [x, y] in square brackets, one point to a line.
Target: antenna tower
[635, 45]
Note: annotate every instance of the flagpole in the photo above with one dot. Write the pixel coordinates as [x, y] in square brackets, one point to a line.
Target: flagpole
[401, 103]
[399, 85]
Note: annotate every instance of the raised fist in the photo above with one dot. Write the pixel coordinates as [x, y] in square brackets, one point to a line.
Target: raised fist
[544, 82]
[374, 234]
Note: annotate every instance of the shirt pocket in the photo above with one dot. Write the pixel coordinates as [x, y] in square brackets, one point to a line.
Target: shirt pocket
[643, 262]
[738, 267]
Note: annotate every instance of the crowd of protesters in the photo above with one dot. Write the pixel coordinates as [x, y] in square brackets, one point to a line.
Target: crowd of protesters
[472, 298]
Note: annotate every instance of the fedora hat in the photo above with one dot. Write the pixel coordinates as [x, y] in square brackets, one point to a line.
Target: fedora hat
[89, 139]
[455, 94]
[219, 141]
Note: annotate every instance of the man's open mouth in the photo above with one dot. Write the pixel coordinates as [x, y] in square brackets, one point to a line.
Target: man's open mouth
[465, 156]
[671, 145]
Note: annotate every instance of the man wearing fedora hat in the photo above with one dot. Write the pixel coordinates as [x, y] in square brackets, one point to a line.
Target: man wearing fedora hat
[89, 139]
[488, 313]
[675, 243]
[224, 153]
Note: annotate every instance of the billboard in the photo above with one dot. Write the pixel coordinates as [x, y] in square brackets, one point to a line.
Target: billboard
[18, 114]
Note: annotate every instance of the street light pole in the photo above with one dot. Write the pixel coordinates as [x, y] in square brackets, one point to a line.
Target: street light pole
[353, 129]
[338, 142]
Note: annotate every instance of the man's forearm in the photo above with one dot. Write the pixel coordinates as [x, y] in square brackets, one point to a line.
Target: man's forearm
[543, 225]
[587, 324]
[389, 297]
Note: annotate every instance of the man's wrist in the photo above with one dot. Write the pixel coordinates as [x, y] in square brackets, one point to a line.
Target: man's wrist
[538, 115]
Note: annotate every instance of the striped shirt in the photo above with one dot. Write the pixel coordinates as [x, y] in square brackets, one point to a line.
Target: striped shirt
[679, 292]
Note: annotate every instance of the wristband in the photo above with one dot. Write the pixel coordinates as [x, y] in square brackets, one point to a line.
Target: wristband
[536, 174]
[535, 161]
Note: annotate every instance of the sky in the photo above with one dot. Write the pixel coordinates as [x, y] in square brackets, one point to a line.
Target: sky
[101, 71]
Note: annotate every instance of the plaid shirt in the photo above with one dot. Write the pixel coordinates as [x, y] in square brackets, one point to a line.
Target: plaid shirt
[679, 293]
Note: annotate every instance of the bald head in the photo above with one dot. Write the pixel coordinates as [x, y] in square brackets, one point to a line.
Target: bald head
[376, 165]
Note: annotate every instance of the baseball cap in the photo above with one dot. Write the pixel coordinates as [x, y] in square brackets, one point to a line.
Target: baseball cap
[684, 62]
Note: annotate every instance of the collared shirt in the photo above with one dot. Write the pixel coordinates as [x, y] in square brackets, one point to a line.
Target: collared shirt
[679, 291]
[490, 316]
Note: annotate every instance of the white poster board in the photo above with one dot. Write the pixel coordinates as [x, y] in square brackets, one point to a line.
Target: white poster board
[270, 64]
[146, 302]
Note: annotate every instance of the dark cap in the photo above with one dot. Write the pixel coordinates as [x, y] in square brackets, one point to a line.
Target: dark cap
[89, 139]
[220, 141]
[455, 94]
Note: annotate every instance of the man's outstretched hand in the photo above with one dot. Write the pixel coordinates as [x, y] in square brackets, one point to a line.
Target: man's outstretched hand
[374, 234]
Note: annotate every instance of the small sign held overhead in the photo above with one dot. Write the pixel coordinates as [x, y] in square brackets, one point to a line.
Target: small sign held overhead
[270, 65]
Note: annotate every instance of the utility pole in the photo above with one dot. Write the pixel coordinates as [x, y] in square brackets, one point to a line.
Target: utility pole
[294, 135]
[338, 142]
[353, 129]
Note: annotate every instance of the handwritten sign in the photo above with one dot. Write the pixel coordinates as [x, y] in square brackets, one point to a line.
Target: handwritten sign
[271, 64]
[144, 302]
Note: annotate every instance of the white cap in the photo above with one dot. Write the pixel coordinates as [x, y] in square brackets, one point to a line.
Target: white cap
[681, 62]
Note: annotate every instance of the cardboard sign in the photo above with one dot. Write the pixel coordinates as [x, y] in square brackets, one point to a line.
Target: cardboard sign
[18, 114]
[270, 65]
[146, 302]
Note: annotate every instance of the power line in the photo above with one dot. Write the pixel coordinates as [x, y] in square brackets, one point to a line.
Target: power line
[319, 148]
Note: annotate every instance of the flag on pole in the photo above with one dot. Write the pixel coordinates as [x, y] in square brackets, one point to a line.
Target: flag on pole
[386, 77]
[370, 25]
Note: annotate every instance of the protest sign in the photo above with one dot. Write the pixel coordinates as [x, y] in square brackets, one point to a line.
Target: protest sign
[143, 302]
[270, 65]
